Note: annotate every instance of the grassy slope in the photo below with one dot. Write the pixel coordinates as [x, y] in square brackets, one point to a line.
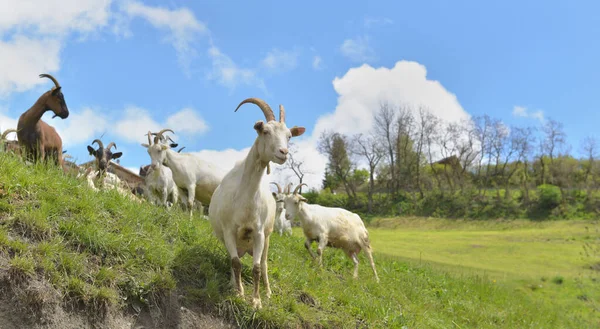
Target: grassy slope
[105, 252]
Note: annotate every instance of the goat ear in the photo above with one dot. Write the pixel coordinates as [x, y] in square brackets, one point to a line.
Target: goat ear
[144, 145]
[91, 150]
[116, 155]
[173, 145]
[297, 131]
[259, 126]
[274, 194]
[303, 199]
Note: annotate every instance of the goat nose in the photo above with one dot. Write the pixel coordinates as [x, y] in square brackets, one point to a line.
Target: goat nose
[283, 151]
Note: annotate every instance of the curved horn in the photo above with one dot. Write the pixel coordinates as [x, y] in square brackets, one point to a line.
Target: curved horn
[149, 138]
[298, 187]
[111, 144]
[44, 75]
[278, 187]
[6, 132]
[281, 113]
[266, 109]
[160, 133]
[100, 145]
[288, 188]
[179, 151]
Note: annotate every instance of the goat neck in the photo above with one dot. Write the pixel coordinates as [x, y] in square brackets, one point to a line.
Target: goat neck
[253, 170]
[32, 116]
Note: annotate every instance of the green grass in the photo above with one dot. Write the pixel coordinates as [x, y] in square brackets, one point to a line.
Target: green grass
[105, 252]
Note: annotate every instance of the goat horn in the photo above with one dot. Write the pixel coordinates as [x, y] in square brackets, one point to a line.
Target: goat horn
[111, 144]
[160, 133]
[100, 145]
[149, 138]
[288, 188]
[278, 187]
[281, 113]
[266, 109]
[179, 151]
[6, 132]
[298, 187]
[44, 75]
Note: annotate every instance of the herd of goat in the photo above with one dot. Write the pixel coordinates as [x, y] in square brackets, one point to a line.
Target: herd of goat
[173, 176]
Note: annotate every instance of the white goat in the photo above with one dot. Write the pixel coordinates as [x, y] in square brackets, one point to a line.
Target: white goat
[159, 181]
[242, 210]
[98, 180]
[198, 177]
[335, 227]
[281, 223]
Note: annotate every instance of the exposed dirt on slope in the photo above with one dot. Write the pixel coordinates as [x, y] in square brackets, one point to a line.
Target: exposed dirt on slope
[34, 304]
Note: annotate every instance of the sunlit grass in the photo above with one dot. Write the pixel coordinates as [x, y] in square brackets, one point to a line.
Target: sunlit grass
[103, 251]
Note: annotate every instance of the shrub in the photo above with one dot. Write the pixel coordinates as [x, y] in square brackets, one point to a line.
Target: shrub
[549, 196]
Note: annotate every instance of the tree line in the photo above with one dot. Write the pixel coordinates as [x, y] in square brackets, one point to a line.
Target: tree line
[413, 162]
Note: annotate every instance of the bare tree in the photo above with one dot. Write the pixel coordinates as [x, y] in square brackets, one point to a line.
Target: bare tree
[427, 124]
[589, 146]
[370, 149]
[295, 165]
[552, 144]
[384, 128]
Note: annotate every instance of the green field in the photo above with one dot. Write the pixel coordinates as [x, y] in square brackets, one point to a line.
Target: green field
[106, 254]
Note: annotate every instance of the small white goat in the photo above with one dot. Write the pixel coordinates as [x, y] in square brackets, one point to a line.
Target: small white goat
[159, 181]
[98, 180]
[334, 227]
[242, 210]
[198, 177]
[281, 223]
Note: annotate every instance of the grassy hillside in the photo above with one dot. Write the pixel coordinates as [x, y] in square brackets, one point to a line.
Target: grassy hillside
[106, 254]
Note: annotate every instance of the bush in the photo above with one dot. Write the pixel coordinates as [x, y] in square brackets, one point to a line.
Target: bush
[549, 196]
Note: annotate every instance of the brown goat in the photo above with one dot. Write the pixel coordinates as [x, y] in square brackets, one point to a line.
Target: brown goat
[103, 155]
[9, 146]
[38, 140]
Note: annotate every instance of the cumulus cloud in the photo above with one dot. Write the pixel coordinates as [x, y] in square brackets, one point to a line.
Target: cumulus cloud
[79, 127]
[187, 121]
[360, 92]
[358, 49]
[523, 112]
[280, 61]
[136, 122]
[33, 33]
[181, 25]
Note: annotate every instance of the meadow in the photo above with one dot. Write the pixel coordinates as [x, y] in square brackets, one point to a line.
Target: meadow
[107, 255]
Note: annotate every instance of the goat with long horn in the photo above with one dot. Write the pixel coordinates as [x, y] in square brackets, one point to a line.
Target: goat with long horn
[38, 139]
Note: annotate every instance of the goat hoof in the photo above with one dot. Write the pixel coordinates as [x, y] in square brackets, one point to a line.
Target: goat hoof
[256, 303]
[269, 293]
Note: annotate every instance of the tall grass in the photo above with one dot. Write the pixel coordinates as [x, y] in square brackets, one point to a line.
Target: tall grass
[106, 252]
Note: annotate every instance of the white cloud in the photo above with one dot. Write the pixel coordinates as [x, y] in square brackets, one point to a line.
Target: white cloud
[53, 17]
[317, 63]
[228, 74]
[33, 33]
[28, 58]
[187, 121]
[280, 61]
[523, 112]
[182, 25]
[360, 92]
[7, 122]
[358, 49]
[136, 122]
[79, 127]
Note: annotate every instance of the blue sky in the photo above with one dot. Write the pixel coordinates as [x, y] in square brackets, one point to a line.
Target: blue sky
[130, 66]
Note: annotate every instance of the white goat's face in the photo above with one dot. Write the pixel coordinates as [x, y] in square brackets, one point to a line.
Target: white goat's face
[273, 139]
[292, 205]
[158, 153]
